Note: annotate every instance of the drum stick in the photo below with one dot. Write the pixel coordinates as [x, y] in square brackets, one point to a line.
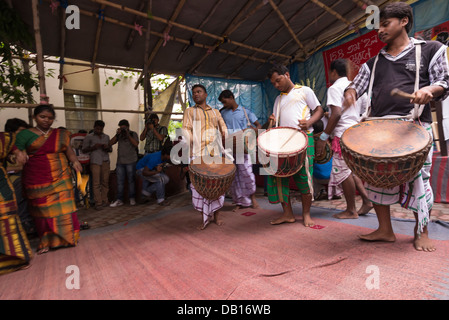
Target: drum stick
[399, 93]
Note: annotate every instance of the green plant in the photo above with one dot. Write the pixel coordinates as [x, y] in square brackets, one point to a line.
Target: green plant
[15, 82]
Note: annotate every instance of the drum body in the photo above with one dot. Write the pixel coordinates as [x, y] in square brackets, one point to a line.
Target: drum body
[327, 154]
[385, 153]
[212, 180]
[284, 150]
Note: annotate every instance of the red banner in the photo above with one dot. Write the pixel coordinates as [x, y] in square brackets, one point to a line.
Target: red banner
[358, 51]
[438, 33]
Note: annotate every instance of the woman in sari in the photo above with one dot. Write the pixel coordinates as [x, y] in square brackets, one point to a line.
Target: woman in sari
[47, 181]
[15, 250]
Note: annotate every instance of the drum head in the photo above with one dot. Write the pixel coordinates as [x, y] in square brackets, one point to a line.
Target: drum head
[282, 141]
[385, 138]
[219, 168]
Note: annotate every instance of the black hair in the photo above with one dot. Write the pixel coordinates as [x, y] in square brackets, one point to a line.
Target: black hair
[99, 123]
[199, 86]
[226, 94]
[123, 122]
[279, 69]
[12, 125]
[340, 65]
[44, 107]
[166, 149]
[398, 10]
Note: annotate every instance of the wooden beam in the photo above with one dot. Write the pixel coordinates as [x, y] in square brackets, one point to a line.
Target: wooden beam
[260, 5]
[203, 23]
[185, 27]
[63, 15]
[39, 51]
[132, 33]
[340, 33]
[231, 27]
[305, 28]
[331, 11]
[161, 41]
[34, 105]
[97, 39]
[172, 38]
[287, 25]
[147, 90]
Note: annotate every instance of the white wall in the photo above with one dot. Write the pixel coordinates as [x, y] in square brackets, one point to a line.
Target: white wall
[122, 96]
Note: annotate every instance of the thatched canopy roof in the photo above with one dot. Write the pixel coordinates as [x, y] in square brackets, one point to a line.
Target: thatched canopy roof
[223, 38]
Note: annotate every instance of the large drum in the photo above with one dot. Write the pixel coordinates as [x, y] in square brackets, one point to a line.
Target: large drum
[385, 153]
[212, 180]
[285, 150]
[327, 154]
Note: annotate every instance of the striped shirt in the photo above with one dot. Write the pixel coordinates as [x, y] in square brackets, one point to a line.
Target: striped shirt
[201, 125]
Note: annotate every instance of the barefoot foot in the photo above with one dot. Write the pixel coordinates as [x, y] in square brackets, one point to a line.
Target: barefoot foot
[423, 243]
[282, 220]
[346, 215]
[364, 209]
[379, 236]
[308, 222]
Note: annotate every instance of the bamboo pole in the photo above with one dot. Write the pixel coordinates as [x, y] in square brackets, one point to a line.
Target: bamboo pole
[203, 23]
[331, 11]
[305, 28]
[231, 28]
[63, 16]
[83, 64]
[147, 90]
[172, 38]
[184, 27]
[161, 41]
[97, 40]
[39, 51]
[132, 33]
[33, 105]
[287, 25]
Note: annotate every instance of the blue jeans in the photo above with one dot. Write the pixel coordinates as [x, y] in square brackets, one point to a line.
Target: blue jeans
[154, 184]
[129, 171]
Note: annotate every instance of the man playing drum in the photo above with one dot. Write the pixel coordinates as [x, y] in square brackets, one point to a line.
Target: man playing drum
[396, 68]
[202, 124]
[340, 120]
[237, 118]
[294, 107]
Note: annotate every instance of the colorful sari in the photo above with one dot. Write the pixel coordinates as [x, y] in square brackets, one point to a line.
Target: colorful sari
[15, 250]
[47, 181]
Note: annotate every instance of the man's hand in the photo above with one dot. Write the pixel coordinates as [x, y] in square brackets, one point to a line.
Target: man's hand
[422, 96]
[304, 124]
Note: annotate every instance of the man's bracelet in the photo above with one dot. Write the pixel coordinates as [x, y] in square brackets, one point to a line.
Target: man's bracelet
[324, 136]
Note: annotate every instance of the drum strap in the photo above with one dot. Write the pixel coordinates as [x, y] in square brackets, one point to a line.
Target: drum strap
[416, 112]
[247, 118]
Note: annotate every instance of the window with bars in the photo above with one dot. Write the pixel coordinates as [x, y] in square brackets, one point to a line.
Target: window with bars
[80, 120]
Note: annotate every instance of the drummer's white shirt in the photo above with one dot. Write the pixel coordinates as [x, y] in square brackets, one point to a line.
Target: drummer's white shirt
[335, 97]
[295, 106]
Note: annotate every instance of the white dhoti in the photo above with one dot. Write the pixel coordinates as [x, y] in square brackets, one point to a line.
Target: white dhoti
[244, 184]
